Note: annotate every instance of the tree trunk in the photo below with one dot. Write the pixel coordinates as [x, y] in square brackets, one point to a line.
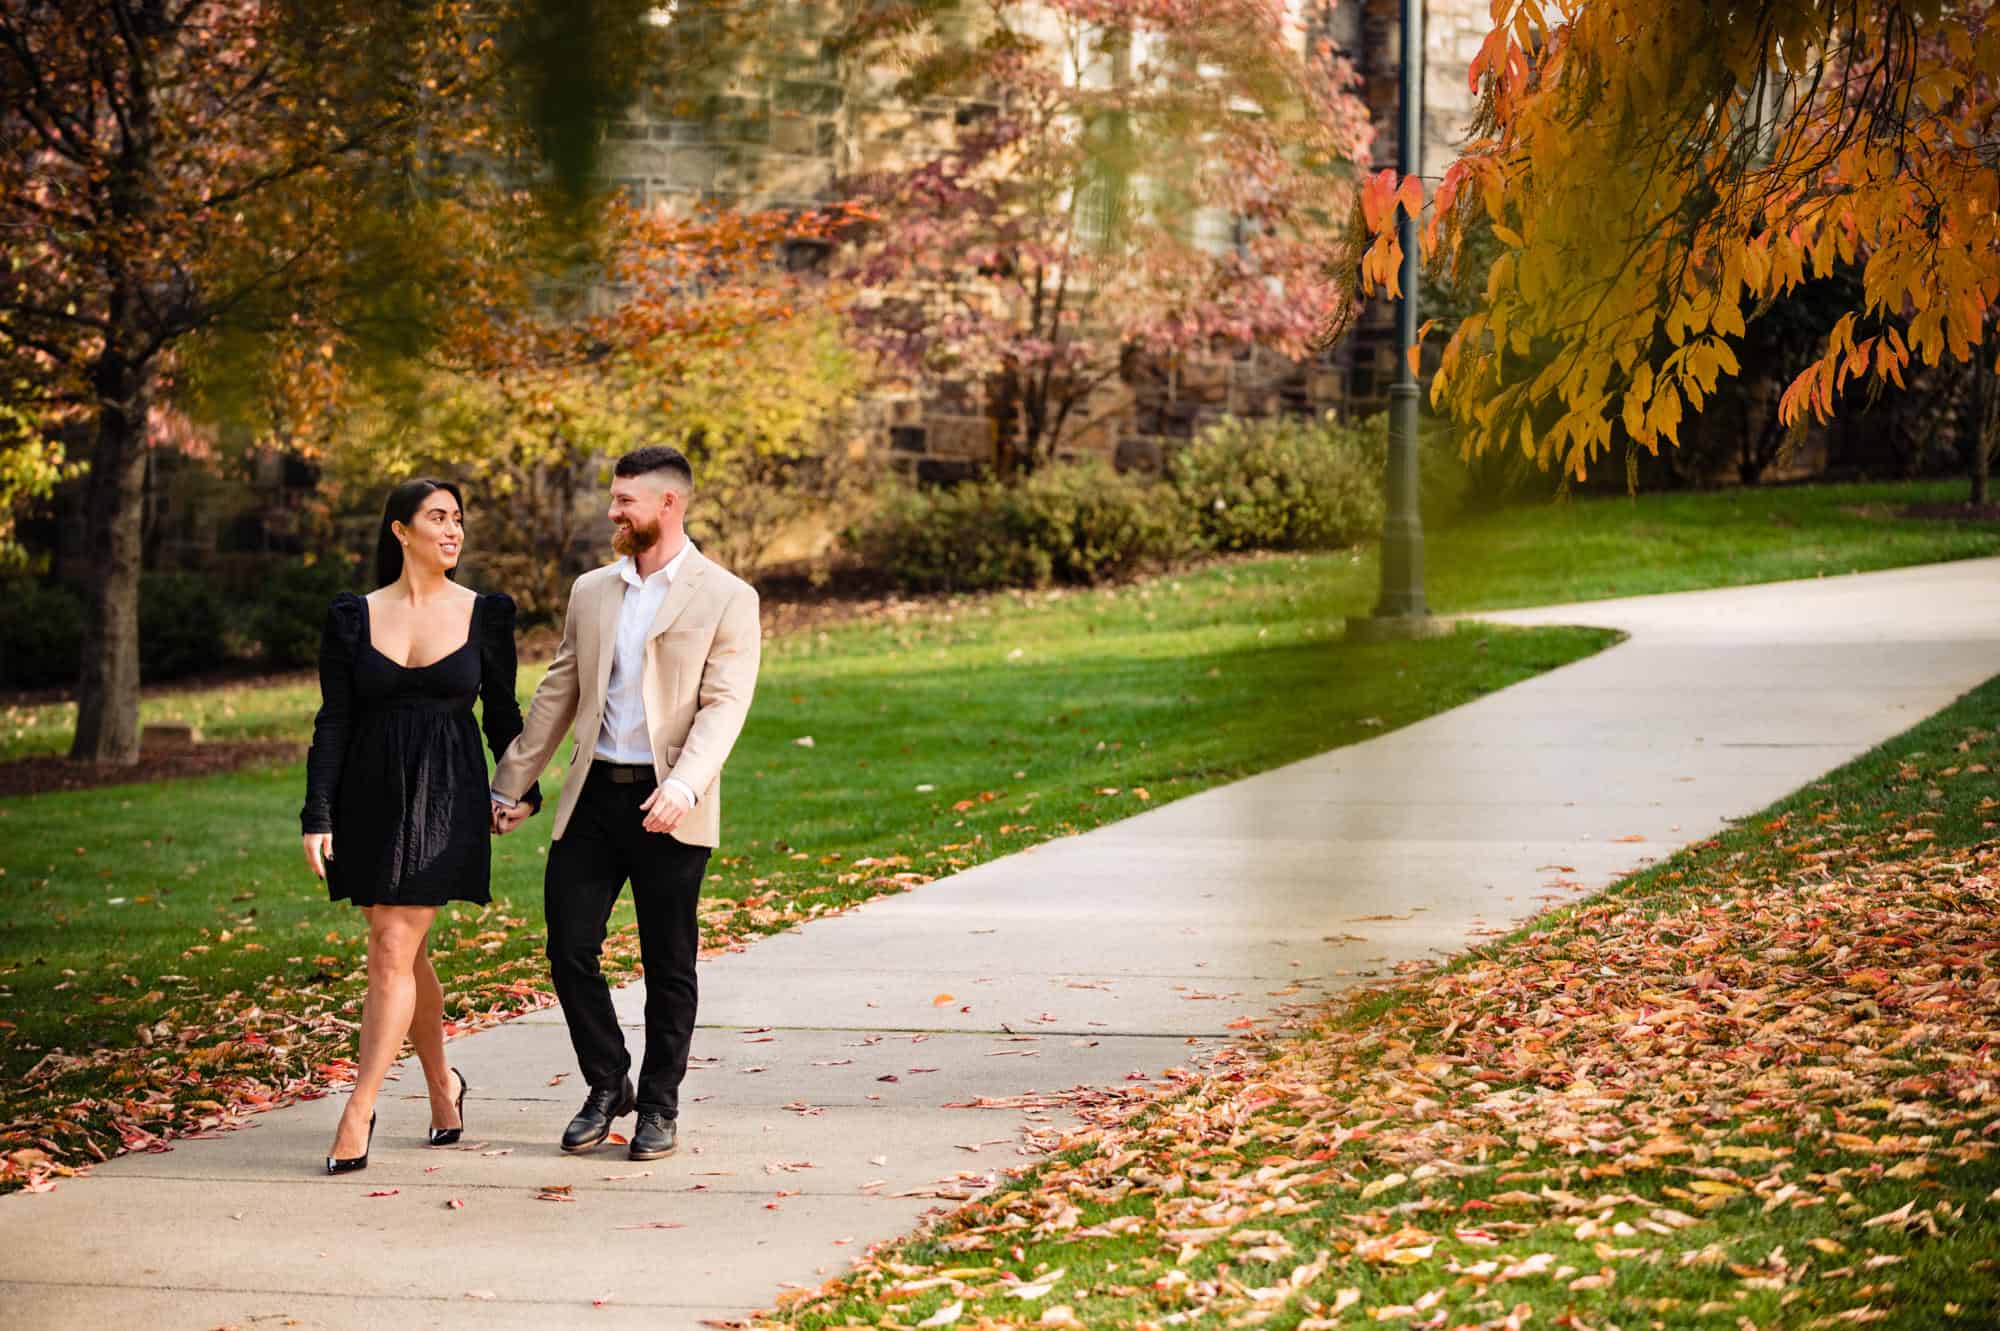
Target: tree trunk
[563, 482]
[1003, 407]
[107, 710]
[1751, 434]
[1035, 435]
[107, 695]
[1985, 426]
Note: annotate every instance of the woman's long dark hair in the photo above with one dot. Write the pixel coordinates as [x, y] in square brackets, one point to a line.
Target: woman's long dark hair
[404, 501]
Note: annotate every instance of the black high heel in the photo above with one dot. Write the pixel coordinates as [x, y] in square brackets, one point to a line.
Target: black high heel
[450, 1136]
[335, 1165]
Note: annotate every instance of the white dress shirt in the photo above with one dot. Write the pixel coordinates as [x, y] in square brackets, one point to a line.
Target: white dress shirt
[623, 738]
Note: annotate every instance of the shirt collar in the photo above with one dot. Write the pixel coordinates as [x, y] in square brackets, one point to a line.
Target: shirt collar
[629, 571]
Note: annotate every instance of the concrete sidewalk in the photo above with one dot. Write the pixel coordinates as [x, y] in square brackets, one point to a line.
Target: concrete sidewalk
[1130, 948]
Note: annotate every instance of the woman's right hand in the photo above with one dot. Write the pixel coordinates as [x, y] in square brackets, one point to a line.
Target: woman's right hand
[319, 849]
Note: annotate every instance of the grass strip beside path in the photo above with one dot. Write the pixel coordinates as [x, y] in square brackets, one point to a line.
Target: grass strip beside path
[1755, 1086]
[166, 961]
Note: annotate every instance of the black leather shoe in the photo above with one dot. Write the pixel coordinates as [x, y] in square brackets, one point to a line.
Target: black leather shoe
[450, 1136]
[654, 1136]
[336, 1165]
[592, 1124]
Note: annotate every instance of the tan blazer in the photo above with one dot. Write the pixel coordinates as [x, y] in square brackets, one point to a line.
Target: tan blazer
[701, 668]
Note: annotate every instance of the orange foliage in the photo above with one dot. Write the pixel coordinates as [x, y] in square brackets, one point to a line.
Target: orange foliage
[1656, 172]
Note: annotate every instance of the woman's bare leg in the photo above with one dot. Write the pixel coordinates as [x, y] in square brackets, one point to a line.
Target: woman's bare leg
[427, 1037]
[395, 939]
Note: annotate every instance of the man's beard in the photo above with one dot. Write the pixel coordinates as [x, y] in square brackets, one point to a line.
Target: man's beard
[635, 540]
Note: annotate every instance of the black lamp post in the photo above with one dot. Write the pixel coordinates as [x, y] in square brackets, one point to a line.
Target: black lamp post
[1401, 612]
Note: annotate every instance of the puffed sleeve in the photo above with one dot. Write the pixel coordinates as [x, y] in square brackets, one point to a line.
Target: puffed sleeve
[500, 710]
[339, 643]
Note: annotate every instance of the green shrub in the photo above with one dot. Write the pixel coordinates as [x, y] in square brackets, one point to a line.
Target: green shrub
[183, 623]
[180, 626]
[1284, 483]
[41, 634]
[291, 611]
[1068, 523]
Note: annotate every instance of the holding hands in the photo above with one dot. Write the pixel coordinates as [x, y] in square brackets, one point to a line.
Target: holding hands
[664, 809]
[507, 817]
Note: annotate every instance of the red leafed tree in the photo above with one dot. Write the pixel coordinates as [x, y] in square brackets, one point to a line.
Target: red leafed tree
[1121, 177]
[217, 204]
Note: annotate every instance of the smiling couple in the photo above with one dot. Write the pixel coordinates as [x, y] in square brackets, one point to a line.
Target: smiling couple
[654, 678]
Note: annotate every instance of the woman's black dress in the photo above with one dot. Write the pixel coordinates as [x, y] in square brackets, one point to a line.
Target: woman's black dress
[395, 771]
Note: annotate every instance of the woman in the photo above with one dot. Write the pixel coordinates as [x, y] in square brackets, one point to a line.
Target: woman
[397, 814]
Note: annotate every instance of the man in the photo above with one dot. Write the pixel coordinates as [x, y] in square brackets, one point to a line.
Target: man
[658, 661]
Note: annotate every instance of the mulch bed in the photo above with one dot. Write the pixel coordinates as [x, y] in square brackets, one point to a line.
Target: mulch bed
[1954, 512]
[45, 775]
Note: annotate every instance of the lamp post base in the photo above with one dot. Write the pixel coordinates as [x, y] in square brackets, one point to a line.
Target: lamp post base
[1396, 628]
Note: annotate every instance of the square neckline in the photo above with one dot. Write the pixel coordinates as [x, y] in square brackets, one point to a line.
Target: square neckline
[368, 636]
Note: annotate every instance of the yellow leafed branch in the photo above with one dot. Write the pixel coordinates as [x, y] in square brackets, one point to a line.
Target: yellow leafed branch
[1656, 171]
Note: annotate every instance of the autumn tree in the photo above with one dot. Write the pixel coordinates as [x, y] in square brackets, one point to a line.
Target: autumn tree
[1659, 172]
[1117, 179]
[225, 209]
[1742, 424]
[690, 332]
[764, 421]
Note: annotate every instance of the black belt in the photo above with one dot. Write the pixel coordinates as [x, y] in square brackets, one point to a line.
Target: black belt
[624, 774]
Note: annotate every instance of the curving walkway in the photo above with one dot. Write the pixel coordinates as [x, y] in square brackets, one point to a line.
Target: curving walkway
[1128, 949]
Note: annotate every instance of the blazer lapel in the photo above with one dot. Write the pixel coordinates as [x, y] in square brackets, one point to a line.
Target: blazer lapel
[609, 603]
[679, 594]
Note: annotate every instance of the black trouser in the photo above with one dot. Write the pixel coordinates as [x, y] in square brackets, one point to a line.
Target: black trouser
[603, 847]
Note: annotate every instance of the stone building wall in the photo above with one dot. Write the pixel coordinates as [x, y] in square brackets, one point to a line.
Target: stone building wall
[782, 134]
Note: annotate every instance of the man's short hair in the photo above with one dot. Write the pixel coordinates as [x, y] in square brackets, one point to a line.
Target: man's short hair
[656, 457]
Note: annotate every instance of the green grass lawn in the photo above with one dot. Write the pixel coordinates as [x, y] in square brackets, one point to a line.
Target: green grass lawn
[1595, 548]
[1539, 554]
[168, 941]
[1752, 1086]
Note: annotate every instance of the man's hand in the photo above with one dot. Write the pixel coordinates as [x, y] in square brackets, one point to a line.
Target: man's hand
[665, 808]
[319, 849]
[508, 817]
